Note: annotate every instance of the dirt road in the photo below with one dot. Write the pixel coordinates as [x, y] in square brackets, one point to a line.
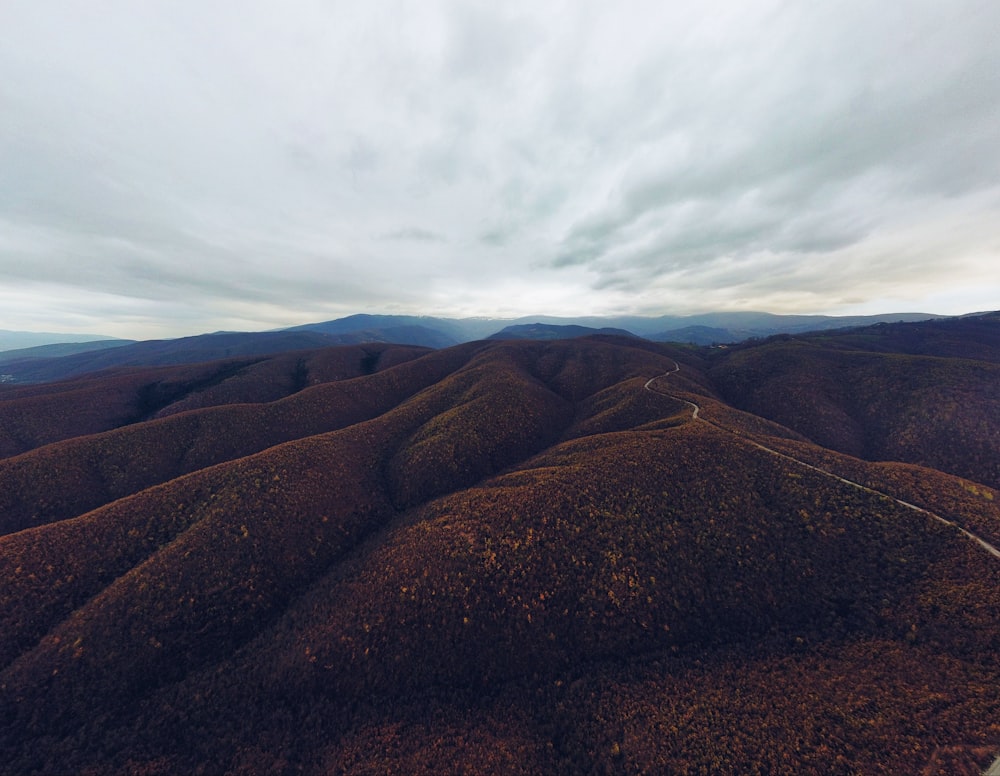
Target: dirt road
[695, 409]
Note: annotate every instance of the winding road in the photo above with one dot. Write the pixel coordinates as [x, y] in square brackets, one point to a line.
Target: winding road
[994, 769]
[695, 409]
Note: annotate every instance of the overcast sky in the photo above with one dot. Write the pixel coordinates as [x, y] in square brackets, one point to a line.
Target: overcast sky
[171, 167]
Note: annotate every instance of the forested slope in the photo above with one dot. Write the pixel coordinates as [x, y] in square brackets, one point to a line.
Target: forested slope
[500, 557]
[936, 411]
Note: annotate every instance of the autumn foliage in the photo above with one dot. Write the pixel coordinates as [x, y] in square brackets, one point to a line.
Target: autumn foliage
[503, 557]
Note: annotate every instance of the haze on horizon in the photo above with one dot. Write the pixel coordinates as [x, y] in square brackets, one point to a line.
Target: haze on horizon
[172, 168]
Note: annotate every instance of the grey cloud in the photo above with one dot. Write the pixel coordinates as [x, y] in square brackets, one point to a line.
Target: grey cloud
[360, 158]
[801, 155]
[416, 234]
[597, 154]
[486, 42]
[577, 256]
[494, 237]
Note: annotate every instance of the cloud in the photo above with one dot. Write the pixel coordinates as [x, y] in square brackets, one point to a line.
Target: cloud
[326, 158]
[806, 182]
[415, 233]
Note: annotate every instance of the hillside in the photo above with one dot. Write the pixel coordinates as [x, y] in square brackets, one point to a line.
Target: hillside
[920, 393]
[975, 337]
[571, 556]
[36, 415]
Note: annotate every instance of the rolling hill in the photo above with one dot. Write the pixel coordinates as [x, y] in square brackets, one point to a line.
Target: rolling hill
[920, 393]
[591, 555]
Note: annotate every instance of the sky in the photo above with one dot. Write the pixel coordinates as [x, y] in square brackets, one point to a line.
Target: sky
[171, 167]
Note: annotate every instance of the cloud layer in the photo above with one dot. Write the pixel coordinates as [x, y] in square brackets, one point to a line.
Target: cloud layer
[174, 167]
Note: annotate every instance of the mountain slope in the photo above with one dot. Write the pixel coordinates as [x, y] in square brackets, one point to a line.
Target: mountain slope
[975, 337]
[934, 410]
[502, 557]
[31, 416]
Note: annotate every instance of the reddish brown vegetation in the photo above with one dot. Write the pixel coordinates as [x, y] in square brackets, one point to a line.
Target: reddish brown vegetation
[497, 558]
[32, 416]
[942, 413]
[68, 478]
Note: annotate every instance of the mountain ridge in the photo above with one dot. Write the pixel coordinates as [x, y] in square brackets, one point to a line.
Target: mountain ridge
[518, 555]
[426, 331]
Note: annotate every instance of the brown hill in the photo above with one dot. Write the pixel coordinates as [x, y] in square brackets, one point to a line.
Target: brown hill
[975, 337]
[942, 413]
[67, 478]
[36, 415]
[499, 558]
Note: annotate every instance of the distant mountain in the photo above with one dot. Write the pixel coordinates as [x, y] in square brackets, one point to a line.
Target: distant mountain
[423, 331]
[423, 336]
[738, 325]
[701, 335]
[720, 328]
[715, 327]
[401, 329]
[14, 340]
[61, 349]
[550, 331]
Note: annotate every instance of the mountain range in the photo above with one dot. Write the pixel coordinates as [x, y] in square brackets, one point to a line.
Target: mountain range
[14, 340]
[591, 555]
[59, 359]
[701, 329]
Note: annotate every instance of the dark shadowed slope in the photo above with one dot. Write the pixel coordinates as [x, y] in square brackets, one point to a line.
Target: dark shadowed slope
[516, 560]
